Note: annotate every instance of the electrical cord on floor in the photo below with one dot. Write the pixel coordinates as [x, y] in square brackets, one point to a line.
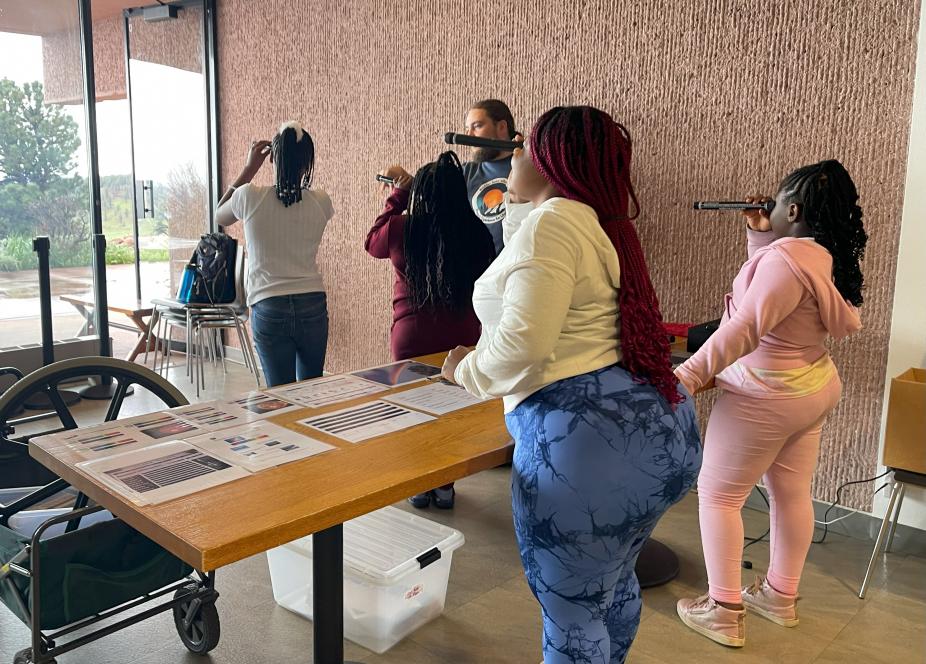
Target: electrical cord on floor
[826, 524]
[747, 564]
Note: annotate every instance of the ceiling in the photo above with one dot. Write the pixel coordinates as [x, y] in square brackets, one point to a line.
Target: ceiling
[49, 16]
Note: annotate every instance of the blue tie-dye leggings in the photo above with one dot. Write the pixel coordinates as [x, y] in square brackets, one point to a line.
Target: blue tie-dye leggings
[598, 459]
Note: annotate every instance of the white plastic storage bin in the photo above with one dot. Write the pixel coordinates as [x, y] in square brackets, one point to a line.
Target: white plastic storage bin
[396, 568]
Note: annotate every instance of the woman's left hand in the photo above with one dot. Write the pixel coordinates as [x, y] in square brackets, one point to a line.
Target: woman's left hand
[454, 358]
[256, 156]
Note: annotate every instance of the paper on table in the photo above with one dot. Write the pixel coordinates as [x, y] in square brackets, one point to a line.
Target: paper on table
[438, 398]
[258, 405]
[327, 390]
[366, 421]
[398, 373]
[259, 445]
[130, 433]
[161, 472]
[97, 441]
[209, 415]
[159, 425]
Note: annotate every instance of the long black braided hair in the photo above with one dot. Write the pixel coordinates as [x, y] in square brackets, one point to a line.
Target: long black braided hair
[447, 247]
[294, 155]
[829, 206]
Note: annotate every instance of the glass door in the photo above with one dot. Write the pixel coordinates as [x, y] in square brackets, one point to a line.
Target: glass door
[43, 172]
[170, 139]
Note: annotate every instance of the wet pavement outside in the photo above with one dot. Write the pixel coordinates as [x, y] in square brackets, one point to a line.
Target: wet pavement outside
[19, 299]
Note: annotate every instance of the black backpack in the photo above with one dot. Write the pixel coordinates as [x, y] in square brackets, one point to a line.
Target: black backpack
[209, 278]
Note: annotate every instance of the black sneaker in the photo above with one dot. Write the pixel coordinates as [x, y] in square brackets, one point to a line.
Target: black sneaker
[443, 498]
[421, 500]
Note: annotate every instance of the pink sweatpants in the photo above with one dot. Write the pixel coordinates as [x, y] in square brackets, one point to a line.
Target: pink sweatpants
[748, 438]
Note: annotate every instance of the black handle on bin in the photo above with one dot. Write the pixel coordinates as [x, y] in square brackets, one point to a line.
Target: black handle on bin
[428, 557]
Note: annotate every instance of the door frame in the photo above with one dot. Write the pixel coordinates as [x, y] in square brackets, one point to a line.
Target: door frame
[210, 83]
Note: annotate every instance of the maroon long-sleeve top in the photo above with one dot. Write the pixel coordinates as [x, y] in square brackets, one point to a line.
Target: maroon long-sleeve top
[415, 332]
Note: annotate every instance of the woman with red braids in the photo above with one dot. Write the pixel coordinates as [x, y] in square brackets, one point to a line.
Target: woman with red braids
[605, 439]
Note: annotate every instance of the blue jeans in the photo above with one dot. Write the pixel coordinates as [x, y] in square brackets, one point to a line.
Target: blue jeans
[291, 336]
[598, 459]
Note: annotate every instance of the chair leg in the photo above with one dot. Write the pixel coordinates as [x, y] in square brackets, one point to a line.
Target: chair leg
[166, 347]
[190, 348]
[197, 333]
[221, 345]
[157, 344]
[193, 349]
[244, 351]
[168, 353]
[158, 348]
[880, 540]
[896, 519]
[210, 343]
[250, 346]
[201, 377]
[249, 349]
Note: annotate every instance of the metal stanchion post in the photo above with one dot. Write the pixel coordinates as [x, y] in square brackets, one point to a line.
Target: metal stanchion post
[41, 401]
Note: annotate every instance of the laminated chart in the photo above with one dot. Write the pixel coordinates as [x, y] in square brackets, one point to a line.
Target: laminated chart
[366, 421]
[437, 398]
[160, 425]
[398, 373]
[328, 390]
[161, 472]
[98, 441]
[132, 433]
[260, 445]
[258, 405]
[209, 415]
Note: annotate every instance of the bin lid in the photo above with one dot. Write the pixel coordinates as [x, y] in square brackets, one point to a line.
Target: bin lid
[385, 545]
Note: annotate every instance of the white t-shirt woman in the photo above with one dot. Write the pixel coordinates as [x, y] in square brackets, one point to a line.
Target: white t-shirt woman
[283, 228]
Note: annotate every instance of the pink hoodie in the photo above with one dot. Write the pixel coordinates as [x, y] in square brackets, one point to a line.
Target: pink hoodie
[783, 306]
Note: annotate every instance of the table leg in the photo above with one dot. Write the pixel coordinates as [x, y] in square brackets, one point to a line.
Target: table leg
[328, 595]
[87, 313]
[143, 343]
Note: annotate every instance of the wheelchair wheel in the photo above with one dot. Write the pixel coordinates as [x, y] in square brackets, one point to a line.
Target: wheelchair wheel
[47, 379]
[197, 622]
[24, 656]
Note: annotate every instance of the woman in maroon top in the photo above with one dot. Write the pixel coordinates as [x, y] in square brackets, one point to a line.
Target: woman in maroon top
[438, 247]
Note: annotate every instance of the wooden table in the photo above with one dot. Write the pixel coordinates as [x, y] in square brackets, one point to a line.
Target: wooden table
[315, 496]
[85, 305]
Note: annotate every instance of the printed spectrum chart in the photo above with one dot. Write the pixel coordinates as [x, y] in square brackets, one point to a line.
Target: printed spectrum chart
[366, 421]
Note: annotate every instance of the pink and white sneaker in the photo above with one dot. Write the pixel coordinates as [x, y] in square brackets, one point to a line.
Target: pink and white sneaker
[761, 598]
[716, 622]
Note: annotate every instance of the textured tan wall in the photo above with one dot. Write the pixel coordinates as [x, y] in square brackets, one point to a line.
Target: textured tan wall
[176, 43]
[723, 97]
[61, 63]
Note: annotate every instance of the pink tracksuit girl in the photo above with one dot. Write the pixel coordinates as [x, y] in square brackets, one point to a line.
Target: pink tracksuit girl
[778, 386]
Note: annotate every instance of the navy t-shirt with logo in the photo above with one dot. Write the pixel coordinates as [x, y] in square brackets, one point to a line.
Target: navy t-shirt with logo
[487, 183]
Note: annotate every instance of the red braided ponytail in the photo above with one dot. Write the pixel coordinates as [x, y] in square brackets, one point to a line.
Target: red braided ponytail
[585, 154]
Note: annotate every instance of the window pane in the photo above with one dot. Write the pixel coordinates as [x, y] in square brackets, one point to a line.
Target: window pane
[43, 168]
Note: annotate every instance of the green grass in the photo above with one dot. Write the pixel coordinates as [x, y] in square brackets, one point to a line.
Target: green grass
[114, 229]
[16, 254]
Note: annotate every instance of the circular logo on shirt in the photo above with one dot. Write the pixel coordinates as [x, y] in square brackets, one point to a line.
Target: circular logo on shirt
[489, 200]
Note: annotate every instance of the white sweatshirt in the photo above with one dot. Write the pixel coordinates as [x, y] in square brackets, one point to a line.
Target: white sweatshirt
[548, 306]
